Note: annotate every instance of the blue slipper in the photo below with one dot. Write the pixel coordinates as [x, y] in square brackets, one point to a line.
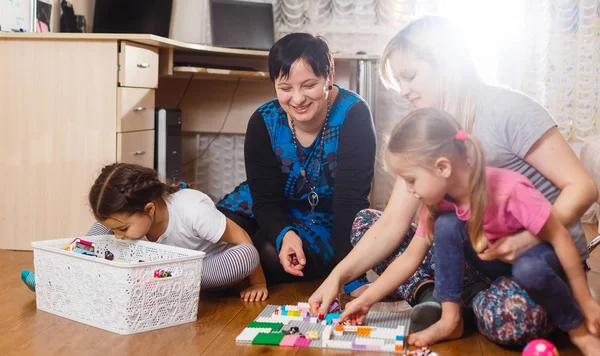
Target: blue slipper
[29, 279]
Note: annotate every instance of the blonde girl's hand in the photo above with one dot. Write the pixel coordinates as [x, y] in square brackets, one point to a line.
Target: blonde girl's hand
[322, 298]
[356, 311]
[255, 293]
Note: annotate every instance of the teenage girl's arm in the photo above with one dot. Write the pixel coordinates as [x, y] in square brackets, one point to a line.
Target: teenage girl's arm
[376, 244]
[257, 291]
[397, 273]
[556, 234]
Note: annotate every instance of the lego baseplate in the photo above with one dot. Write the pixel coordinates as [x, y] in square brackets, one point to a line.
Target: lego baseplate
[292, 325]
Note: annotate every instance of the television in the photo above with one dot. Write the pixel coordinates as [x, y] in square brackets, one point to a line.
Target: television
[242, 24]
[133, 16]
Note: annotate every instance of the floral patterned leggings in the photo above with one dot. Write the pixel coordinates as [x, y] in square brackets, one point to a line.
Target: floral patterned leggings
[505, 313]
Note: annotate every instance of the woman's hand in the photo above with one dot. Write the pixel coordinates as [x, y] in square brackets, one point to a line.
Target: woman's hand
[508, 248]
[356, 311]
[255, 293]
[591, 312]
[322, 298]
[291, 255]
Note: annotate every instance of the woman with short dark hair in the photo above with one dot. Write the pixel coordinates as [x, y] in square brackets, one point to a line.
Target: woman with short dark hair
[310, 157]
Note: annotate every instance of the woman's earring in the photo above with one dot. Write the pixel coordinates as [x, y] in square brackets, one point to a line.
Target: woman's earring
[330, 87]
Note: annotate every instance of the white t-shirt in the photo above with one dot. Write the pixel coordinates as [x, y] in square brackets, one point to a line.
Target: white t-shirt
[194, 222]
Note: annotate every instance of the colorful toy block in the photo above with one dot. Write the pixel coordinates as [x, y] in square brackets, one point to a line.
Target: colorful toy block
[272, 326]
[248, 334]
[331, 316]
[382, 332]
[303, 342]
[289, 340]
[268, 338]
[363, 331]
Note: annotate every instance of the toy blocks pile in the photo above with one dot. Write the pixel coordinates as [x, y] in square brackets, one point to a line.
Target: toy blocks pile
[293, 325]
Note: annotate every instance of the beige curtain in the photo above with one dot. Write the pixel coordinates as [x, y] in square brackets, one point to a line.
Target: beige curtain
[559, 65]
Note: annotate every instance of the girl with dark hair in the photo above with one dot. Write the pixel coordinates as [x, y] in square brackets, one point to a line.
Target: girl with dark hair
[131, 202]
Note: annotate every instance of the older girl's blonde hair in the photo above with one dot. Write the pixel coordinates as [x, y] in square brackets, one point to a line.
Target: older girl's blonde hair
[439, 42]
[428, 134]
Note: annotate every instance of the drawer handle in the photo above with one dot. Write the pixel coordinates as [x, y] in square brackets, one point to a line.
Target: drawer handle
[143, 65]
[139, 108]
[139, 153]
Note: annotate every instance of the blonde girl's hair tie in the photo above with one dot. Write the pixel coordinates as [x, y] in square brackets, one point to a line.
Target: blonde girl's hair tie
[461, 136]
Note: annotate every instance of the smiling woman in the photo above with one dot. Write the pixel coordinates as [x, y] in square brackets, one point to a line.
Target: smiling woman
[309, 157]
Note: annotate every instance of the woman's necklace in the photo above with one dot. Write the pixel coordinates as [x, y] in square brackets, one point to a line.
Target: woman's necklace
[313, 197]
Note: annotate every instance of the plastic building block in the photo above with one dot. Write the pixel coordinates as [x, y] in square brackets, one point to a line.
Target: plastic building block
[329, 317]
[248, 334]
[268, 339]
[363, 331]
[274, 319]
[303, 342]
[339, 344]
[273, 326]
[368, 341]
[350, 328]
[380, 330]
[388, 348]
[289, 340]
[326, 335]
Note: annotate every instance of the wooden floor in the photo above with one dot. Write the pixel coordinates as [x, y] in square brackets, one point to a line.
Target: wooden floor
[27, 331]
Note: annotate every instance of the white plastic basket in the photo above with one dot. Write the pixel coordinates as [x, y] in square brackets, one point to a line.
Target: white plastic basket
[124, 298]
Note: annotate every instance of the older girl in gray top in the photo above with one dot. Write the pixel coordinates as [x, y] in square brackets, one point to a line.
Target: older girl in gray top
[428, 63]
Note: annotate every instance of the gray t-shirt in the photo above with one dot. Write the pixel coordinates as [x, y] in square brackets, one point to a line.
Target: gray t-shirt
[508, 124]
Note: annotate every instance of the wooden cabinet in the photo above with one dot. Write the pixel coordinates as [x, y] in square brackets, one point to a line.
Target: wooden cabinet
[138, 65]
[138, 78]
[58, 101]
[68, 107]
[136, 147]
[135, 109]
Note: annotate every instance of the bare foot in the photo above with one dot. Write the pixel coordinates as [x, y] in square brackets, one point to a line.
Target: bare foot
[586, 342]
[360, 290]
[442, 330]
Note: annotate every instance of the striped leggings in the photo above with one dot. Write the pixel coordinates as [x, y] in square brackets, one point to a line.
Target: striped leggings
[219, 270]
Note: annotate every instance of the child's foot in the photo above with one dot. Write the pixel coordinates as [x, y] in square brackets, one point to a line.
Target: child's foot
[586, 342]
[442, 330]
[29, 279]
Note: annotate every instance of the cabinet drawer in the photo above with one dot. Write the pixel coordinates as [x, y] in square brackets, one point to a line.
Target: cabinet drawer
[135, 109]
[138, 65]
[136, 147]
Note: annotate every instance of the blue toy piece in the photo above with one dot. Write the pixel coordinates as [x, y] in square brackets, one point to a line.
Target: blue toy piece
[28, 278]
[329, 318]
[83, 252]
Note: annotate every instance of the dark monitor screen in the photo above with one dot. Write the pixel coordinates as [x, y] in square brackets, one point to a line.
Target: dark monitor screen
[133, 16]
[240, 24]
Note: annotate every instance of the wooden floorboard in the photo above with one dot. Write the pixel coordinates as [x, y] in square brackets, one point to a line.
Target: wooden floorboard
[24, 330]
